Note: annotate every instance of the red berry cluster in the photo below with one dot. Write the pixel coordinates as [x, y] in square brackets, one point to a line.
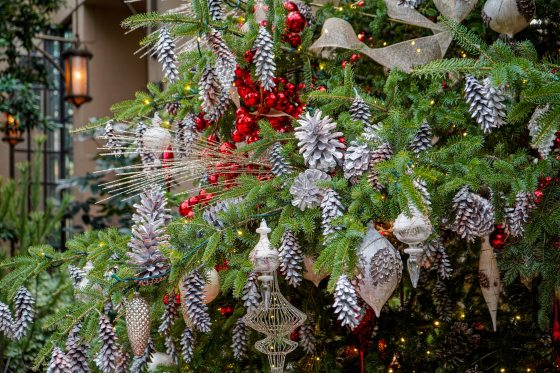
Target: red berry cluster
[353, 58]
[543, 184]
[222, 266]
[226, 311]
[498, 238]
[186, 207]
[258, 102]
[177, 299]
[295, 23]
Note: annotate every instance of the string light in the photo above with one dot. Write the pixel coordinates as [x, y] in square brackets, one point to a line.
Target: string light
[418, 50]
[239, 232]
[428, 352]
[462, 315]
[402, 339]
[502, 370]
[384, 43]
[436, 323]
[432, 102]
[146, 101]
[517, 317]
[187, 87]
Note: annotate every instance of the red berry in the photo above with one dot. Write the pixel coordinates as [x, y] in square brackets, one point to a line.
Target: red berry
[184, 208]
[190, 215]
[361, 36]
[322, 88]
[295, 21]
[344, 63]
[202, 192]
[301, 86]
[166, 299]
[294, 39]
[354, 58]
[290, 87]
[360, 3]
[194, 200]
[212, 179]
[342, 139]
[212, 139]
[177, 298]
[227, 148]
[270, 99]
[248, 56]
[237, 136]
[290, 6]
[241, 111]
[263, 23]
[200, 122]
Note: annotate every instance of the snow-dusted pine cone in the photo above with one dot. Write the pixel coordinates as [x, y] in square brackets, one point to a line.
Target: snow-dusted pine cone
[291, 258]
[172, 108]
[215, 9]
[211, 213]
[444, 305]
[356, 161]
[307, 339]
[319, 142]
[194, 301]
[265, 67]
[112, 143]
[225, 63]
[346, 303]
[147, 236]
[239, 340]
[359, 111]
[170, 314]
[77, 352]
[209, 89]
[185, 137]
[171, 348]
[280, 166]
[305, 191]
[76, 274]
[24, 307]
[436, 254]
[474, 215]
[59, 362]
[6, 321]
[187, 344]
[422, 187]
[413, 4]
[422, 139]
[457, 345]
[251, 296]
[543, 142]
[517, 216]
[382, 153]
[486, 103]
[140, 363]
[224, 99]
[331, 208]
[165, 50]
[109, 355]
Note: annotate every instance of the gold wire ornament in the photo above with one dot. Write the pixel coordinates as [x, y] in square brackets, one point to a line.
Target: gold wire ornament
[275, 316]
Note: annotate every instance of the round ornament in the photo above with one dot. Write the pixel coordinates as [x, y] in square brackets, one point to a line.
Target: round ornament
[157, 139]
[295, 21]
[508, 16]
[379, 269]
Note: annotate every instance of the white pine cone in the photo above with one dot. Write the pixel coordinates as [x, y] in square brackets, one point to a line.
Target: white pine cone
[331, 208]
[305, 192]
[356, 161]
[187, 344]
[251, 296]
[239, 340]
[165, 50]
[359, 111]
[346, 303]
[6, 321]
[265, 67]
[59, 362]
[24, 306]
[541, 141]
[291, 258]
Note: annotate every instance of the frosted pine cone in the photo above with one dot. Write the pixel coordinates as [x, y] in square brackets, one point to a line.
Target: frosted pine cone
[319, 141]
[474, 215]
[304, 190]
[211, 213]
[171, 349]
[486, 103]
[371, 132]
[422, 140]
[170, 314]
[224, 99]
[251, 296]
[413, 4]
[210, 89]
[517, 216]
[346, 303]
[225, 63]
[422, 188]
[541, 141]
[359, 111]
[291, 258]
[59, 362]
[265, 67]
[435, 253]
[187, 344]
[382, 153]
[215, 10]
[109, 355]
[165, 50]
[356, 161]
[77, 352]
[280, 166]
[76, 274]
[172, 108]
[194, 301]
[239, 340]
[6, 321]
[305, 10]
[149, 160]
[185, 137]
[24, 306]
[307, 339]
[331, 208]
[112, 142]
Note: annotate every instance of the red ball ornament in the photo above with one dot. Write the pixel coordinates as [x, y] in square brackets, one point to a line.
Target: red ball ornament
[237, 136]
[251, 98]
[294, 39]
[270, 99]
[360, 3]
[290, 6]
[498, 238]
[212, 179]
[361, 36]
[168, 155]
[241, 111]
[194, 200]
[177, 298]
[222, 267]
[322, 88]
[212, 139]
[538, 195]
[200, 122]
[185, 208]
[295, 21]
[344, 63]
[226, 311]
[248, 56]
[166, 299]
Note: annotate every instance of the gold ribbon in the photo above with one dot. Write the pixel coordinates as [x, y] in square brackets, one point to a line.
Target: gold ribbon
[337, 33]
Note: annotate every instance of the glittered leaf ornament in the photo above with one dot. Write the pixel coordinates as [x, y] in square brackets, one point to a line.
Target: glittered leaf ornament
[489, 276]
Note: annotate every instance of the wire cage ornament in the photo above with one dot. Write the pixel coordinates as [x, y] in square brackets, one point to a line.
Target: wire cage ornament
[413, 230]
[275, 316]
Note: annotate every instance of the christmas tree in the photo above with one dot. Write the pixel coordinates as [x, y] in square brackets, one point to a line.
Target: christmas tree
[386, 199]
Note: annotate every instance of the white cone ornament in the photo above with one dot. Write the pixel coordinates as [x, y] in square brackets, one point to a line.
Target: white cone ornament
[379, 269]
[309, 274]
[508, 16]
[413, 230]
[489, 277]
[138, 324]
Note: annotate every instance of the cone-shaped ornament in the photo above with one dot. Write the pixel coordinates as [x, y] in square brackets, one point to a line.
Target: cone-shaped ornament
[489, 277]
[138, 324]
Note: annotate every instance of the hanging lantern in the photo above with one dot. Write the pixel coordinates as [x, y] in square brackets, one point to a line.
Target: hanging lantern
[76, 75]
[12, 132]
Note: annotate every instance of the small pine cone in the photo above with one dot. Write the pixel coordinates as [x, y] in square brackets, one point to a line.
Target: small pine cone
[140, 363]
[209, 88]
[194, 301]
[280, 166]
[165, 50]
[457, 345]
[474, 215]
[215, 10]
[331, 208]
[422, 139]
[239, 340]
[212, 213]
[442, 302]
[59, 362]
[24, 312]
[149, 160]
[265, 67]
[251, 296]
[305, 191]
[112, 142]
[221, 107]
[307, 339]
[518, 216]
[544, 143]
[76, 274]
[356, 161]
[291, 258]
[422, 187]
[225, 63]
[172, 108]
[171, 349]
[6, 321]
[77, 352]
[382, 153]
[346, 303]
[185, 137]
[359, 111]
[486, 103]
[170, 314]
[319, 142]
[187, 344]
[109, 354]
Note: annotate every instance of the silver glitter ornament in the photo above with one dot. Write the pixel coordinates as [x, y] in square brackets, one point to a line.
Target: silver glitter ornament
[508, 16]
[138, 324]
